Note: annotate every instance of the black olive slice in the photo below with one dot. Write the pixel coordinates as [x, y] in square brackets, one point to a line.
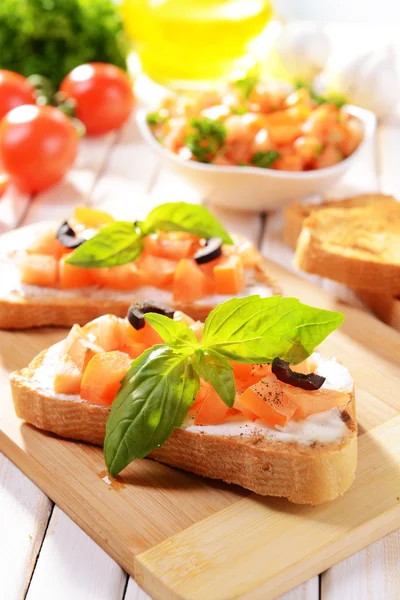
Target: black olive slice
[212, 249]
[137, 311]
[67, 237]
[284, 373]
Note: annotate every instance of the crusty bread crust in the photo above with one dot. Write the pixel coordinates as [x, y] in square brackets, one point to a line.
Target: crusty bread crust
[296, 212]
[303, 474]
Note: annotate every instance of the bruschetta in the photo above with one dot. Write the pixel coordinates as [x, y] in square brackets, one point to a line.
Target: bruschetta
[275, 428]
[73, 272]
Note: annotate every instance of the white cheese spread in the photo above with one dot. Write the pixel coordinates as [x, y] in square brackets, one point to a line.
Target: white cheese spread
[325, 427]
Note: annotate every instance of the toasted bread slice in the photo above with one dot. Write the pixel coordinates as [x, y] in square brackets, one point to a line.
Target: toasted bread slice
[296, 212]
[305, 474]
[358, 246]
[27, 306]
[384, 305]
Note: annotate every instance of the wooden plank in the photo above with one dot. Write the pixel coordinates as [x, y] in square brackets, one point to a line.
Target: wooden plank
[259, 547]
[25, 511]
[371, 573]
[71, 565]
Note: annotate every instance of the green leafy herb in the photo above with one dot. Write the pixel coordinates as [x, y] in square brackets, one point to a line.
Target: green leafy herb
[206, 138]
[153, 400]
[215, 368]
[337, 100]
[255, 329]
[265, 159]
[178, 336]
[116, 244]
[246, 85]
[51, 37]
[155, 118]
[181, 216]
[238, 110]
[122, 242]
[162, 383]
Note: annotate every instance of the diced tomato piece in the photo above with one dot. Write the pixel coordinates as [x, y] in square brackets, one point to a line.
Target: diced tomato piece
[212, 411]
[159, 271]
[134, 350]
[247, 375]
[229, 275]
[247, 414]
[190, 283]
[208, 268]
[172, 245]
[310, 402]
[80, 348]
[48, 244]
[200, 396]
[123, 277]
[74, 277]
[68, 377]
[267, 400]
[146, 336]
[103, 375]
[92, 217]
[109, 332]
[39, 269]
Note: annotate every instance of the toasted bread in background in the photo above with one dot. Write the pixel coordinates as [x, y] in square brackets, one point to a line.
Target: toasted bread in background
[296, 212]
[303, 474]
[347, 268]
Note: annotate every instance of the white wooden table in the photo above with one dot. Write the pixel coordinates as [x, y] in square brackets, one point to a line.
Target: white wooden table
[43, 554]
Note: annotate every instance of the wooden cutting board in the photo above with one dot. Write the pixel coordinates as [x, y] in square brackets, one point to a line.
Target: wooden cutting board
[185, 537]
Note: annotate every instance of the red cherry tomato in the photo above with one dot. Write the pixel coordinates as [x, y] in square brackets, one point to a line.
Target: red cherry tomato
[14, 91]
[103, 94]
[38, 145]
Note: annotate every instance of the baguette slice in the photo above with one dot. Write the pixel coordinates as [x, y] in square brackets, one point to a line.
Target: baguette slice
[24, 307]
[303, 474]
[384, 304]
[296, 212]
[357, 246]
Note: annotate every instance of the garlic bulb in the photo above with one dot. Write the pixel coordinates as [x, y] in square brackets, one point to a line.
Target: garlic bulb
[369, 79]
[302, 50]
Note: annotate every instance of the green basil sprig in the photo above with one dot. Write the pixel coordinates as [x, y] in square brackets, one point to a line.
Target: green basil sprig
[162, 383]
[122, 242]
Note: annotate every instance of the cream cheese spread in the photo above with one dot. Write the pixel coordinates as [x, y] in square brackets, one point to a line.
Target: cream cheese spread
[325, 427]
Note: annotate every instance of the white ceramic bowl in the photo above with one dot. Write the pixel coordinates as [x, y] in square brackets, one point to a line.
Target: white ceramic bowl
[253, 188]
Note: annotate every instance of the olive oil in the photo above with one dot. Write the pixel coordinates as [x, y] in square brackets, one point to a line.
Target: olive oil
[189, 40]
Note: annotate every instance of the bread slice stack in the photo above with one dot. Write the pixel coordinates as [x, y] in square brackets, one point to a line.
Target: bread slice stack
[355, 241]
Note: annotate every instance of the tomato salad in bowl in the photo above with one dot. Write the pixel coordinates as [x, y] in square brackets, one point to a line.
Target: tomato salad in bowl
[251, 145]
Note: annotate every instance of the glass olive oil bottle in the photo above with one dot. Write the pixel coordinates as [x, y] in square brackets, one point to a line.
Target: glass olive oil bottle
[194, 40]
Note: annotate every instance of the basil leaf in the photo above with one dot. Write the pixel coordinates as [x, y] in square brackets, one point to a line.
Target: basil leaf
[177, 336]
[181, 216]
[255, 329]
[116, 244]
[265, 159]
[154, 399]
[215, 368]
